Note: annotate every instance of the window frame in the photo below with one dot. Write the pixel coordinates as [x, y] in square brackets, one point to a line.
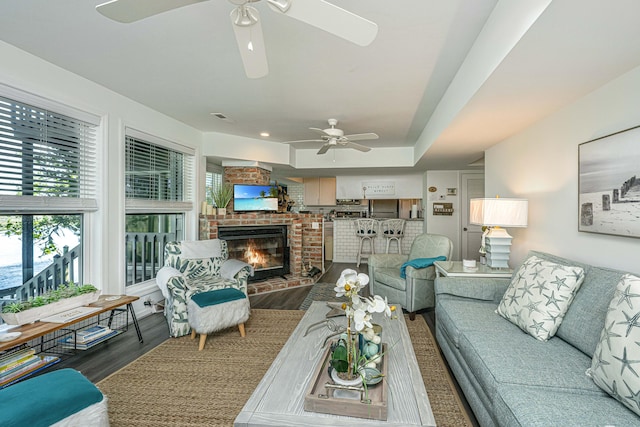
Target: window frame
[83, 202]
[135, 206]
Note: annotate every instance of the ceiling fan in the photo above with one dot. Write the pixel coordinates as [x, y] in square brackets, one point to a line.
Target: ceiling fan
[246, 23]
[334, 137]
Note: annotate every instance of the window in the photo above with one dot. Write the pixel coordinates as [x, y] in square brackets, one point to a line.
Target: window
[213, 182]
[158, 177]
[47, 183]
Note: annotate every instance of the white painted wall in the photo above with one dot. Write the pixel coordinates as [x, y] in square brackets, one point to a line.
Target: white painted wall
[541, 164]
[105, 251]
[443, 224]
[406, 186]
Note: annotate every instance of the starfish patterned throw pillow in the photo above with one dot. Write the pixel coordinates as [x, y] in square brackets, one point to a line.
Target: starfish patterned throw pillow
[615, 366]
[539, 296]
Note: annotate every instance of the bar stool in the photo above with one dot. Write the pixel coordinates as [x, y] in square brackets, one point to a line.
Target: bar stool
[393, 229]
[366, 230]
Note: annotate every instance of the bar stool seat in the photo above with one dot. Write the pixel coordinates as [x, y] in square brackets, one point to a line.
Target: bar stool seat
[393, 229]
[366, 231]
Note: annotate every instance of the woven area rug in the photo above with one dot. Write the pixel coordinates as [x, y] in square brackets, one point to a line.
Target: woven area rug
[177, 385]
[320, 292]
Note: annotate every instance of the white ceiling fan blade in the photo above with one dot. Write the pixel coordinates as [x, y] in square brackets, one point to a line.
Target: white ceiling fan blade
[251, 45]
[127, 11]
[330, 18]
[361, 136]
[303, 140]
[319, 131]
[358, 147]
[324, 148]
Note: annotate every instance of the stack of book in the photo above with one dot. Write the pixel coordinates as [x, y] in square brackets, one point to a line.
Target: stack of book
[18, 364]
[88, 337]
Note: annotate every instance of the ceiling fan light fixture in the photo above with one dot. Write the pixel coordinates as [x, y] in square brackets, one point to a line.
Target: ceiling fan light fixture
[245, 16]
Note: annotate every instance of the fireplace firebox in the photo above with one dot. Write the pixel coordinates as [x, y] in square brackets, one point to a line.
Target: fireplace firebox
[264, 247]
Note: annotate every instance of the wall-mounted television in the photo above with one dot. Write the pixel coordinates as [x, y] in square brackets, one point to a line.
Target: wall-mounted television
[248, 198]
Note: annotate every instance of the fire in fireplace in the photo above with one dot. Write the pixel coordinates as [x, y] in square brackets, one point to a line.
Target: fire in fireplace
[264, 247]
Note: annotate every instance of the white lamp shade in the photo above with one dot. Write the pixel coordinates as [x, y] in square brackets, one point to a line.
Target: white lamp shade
[499, 212]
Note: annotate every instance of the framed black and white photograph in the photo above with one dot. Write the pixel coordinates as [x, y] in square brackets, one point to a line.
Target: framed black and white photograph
[609, 184]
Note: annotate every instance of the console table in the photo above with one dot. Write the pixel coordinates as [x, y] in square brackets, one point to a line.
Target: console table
[279, 398]
[456, 269]
[106, 303]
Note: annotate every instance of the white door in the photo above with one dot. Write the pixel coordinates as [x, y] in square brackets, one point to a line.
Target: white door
[472, 187]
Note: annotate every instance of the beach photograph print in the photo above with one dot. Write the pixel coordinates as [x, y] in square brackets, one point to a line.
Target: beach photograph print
[609, 184]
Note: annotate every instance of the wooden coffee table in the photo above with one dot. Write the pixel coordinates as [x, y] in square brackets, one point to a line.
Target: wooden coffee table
[279, 398]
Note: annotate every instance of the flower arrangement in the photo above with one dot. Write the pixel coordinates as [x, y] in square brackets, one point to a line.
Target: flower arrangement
[347, 357]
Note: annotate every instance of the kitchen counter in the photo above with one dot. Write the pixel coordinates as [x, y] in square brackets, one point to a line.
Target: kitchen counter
[345, 242]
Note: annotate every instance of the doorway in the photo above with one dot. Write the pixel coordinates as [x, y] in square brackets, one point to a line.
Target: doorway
[472, 187]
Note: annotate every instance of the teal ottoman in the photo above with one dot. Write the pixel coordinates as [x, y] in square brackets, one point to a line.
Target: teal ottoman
[215, 310]
[59, 398]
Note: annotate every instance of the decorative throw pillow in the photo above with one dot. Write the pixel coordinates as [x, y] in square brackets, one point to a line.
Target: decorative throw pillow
[615, 366]
[539, 295]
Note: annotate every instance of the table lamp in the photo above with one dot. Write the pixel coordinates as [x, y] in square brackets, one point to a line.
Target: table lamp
[495, 214]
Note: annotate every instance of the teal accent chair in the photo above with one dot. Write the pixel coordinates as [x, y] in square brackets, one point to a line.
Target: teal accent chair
[415, 291]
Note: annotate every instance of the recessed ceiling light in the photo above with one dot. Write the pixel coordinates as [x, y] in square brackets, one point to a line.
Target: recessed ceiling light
[265, 134]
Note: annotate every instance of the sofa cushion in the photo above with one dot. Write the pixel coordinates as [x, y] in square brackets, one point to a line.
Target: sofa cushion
[616, 363]
[584, 320]
[498, 357]
[539, 296]
[456, 316]
[517, 405]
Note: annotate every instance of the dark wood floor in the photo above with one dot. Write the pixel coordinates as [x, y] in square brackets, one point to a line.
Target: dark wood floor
[101, 361]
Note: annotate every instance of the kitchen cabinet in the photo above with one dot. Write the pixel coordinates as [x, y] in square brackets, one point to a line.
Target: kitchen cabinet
[320, 191]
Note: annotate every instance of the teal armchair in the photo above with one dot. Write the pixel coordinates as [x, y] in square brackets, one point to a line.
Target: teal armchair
[415, 291]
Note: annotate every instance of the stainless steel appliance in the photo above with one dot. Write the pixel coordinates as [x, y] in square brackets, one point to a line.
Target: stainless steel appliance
[383, 208]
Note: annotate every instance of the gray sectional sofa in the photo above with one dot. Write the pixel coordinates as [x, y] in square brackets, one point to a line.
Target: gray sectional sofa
[511, 379]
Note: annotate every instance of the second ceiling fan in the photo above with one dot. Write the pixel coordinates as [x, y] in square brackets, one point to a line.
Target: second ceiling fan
[246, 24]
[334, 137]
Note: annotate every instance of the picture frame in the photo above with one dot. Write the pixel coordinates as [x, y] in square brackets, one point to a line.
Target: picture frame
[609, 184]
[452, 191]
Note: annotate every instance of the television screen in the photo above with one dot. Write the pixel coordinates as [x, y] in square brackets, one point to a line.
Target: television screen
[255, 198]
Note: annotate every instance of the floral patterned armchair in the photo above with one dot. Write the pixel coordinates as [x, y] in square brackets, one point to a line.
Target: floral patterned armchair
[193, 267]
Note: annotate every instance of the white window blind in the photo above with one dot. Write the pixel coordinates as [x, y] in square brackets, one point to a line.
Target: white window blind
[157, 178]
[47, 160]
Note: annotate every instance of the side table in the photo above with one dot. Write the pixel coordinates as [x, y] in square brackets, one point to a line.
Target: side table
[455, 269]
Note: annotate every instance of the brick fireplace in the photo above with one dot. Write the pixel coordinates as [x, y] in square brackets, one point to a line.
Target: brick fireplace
[303, 240]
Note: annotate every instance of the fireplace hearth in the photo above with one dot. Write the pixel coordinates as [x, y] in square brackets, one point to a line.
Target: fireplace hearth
[264, 247]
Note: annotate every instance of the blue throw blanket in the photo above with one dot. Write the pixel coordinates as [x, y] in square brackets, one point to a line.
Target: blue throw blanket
[419, 263]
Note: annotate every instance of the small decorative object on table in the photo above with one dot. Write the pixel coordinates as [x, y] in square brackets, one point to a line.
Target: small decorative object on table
[350, 360]
[355, 361]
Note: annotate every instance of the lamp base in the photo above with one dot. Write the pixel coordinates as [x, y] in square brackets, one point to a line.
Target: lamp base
[498, 247]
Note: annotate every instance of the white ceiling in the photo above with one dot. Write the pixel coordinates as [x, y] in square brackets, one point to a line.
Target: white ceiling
[185, 63]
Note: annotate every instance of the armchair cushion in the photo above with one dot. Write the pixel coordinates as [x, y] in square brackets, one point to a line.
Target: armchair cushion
[390, 277]
[387, 260]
